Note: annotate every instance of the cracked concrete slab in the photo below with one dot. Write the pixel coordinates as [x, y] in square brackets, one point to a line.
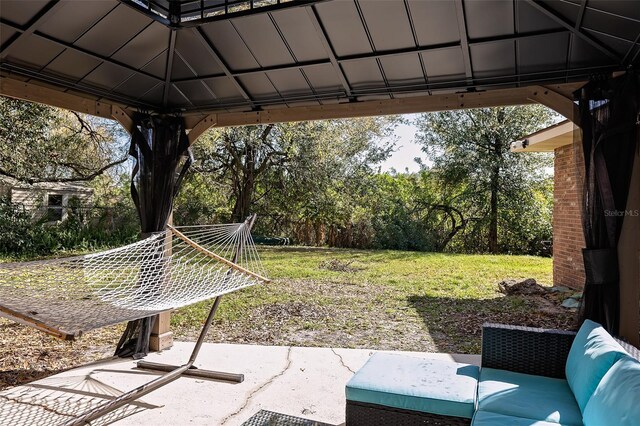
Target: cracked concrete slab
[304, 382]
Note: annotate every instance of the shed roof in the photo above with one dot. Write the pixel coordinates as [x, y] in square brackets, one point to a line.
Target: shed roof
[46, 186]
[194, 56]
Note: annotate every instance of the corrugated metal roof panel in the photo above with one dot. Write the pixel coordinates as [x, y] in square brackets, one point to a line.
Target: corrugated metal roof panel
[364, 72]
[547, 52]
[153, 96]
[616, 7]
[231, 47]
[610, 24]
[337, 56]
[444, 64]
[493, 59]
[73, 18]
[113, 31]
[108, 76]
[488, 18]
[195, 54]
[136, 83]
[34, 51]
[289, 81]
[323, 77]
[258, 85]
[344, 28]
[73, 64]
[531, 19]
[435, 21]
[20, 11]
[384, 18]
[181, 69]
[6, 33]
[263, 40]
[145, 46]
[403, 69]
[223, 88]
[298, 31]
[157, 66]
[197, 92]
[584, 55]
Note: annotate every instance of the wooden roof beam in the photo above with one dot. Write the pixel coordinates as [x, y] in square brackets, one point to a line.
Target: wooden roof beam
[48, 96]
[550, 96]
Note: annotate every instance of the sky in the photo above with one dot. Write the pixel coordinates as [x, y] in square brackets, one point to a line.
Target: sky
[406, 149]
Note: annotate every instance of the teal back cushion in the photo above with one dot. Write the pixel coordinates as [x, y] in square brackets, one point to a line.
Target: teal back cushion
[592, 354]
[616, 400]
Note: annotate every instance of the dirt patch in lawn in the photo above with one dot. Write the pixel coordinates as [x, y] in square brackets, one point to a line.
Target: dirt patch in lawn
[366, 315]
[27, 354]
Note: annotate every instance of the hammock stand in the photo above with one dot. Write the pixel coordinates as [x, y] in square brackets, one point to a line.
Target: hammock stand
[235, 244]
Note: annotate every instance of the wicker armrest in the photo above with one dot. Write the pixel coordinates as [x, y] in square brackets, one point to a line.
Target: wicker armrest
[527, 350]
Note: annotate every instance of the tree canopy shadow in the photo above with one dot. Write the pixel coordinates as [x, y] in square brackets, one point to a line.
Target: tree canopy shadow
[455, 324]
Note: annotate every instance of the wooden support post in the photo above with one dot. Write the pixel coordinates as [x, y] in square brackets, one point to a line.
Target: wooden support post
[161, 335]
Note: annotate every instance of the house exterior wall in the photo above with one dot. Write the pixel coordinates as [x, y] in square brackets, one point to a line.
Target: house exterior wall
[568, 239]
[34, 200]
[31, 199]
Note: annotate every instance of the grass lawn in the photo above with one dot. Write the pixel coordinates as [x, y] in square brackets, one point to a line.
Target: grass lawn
[376, 299]
[380, 299]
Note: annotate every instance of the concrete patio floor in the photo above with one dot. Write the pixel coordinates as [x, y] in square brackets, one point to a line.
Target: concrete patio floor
[299, 381]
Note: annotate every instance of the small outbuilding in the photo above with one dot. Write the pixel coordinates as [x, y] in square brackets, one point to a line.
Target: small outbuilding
[46, 199]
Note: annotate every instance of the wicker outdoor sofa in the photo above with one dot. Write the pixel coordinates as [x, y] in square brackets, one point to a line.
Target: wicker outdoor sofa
[522, 352]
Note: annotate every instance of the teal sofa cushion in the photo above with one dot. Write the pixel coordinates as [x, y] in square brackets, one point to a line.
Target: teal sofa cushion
[616, 400]
[487, 418]
[528, 396]
[427, 385]
[592, 354]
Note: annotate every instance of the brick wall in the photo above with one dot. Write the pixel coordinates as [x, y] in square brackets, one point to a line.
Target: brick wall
[568, 240]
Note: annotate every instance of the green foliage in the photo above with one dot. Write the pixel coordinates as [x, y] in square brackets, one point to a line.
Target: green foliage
[315, 183]
[84, 230]
[507, 195]
[40, 143]
[299, 177]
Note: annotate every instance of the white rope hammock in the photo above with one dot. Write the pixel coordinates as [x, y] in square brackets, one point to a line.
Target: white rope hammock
[170, 269]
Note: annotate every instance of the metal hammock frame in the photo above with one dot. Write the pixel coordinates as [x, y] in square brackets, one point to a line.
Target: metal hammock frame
[173, 372]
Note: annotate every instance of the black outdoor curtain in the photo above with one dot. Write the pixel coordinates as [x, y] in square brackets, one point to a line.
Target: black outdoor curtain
[608, 116]
[160, 149]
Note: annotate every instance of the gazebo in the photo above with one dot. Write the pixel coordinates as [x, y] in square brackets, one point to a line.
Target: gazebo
[168, 70]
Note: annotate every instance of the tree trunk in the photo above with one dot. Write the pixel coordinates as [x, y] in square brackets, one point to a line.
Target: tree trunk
[493, 204]
[245, 192]
[320, 233]
[243, 203]
[493, 221]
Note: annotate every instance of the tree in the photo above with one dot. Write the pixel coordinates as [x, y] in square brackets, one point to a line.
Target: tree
[44, 144]
[469, 150]
[239, 156]
[309, 172]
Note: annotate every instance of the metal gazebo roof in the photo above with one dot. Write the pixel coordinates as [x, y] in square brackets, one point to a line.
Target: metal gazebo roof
[273, 59]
